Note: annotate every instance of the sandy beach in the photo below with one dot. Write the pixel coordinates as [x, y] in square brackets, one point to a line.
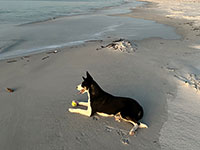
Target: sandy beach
[163, 75]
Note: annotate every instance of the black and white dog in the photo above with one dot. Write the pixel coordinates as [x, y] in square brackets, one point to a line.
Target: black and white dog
[106, 105]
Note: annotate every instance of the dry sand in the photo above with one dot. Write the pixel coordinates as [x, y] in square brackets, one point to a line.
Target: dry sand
[181, 59]
[35, 115]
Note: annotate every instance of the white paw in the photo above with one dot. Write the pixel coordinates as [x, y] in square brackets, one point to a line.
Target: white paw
[132, 133]
[142, 125]
[117, 119]
[71, 110]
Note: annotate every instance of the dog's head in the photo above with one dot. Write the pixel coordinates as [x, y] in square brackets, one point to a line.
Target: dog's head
[86, 84]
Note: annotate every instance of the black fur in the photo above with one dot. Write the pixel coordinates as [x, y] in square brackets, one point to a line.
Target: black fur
[104, 102]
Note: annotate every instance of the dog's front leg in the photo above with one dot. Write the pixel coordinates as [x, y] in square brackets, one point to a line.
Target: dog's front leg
[81, 111]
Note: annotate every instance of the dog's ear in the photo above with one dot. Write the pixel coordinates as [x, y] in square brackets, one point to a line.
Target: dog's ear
[89, 76]
[83, 78]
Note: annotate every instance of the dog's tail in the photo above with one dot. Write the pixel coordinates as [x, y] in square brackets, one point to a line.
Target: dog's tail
[142, 125]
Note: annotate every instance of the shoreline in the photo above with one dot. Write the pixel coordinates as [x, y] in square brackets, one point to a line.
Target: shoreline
[102, 26]
[12, 42]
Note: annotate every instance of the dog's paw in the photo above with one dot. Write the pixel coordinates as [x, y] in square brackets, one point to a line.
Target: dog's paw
[125, 141]
[118, 119]
[132, 133]
[142, 125]
[71, 110]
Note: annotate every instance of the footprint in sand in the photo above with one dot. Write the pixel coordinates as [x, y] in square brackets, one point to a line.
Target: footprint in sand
[11, 61]
[45, 57]
[122, 133]
[95, 118]
[125, 141]
[108, 129]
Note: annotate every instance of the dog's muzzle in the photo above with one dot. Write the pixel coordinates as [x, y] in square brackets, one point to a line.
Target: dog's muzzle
[80, 89]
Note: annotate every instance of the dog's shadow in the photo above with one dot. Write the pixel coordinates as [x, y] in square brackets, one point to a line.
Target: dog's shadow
[152, 101]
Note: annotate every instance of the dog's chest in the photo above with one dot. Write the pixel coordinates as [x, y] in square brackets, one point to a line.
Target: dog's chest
[89, 104]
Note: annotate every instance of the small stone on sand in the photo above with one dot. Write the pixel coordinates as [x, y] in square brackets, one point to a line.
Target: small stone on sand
[9, 90]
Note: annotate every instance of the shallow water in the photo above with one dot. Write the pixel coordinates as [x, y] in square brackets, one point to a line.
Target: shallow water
[33, 37]
[26, 11]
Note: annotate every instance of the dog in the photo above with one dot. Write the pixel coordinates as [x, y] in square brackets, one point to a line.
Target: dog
[107, 105]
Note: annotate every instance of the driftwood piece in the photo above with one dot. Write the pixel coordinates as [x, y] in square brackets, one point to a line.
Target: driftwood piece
[121, 45]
